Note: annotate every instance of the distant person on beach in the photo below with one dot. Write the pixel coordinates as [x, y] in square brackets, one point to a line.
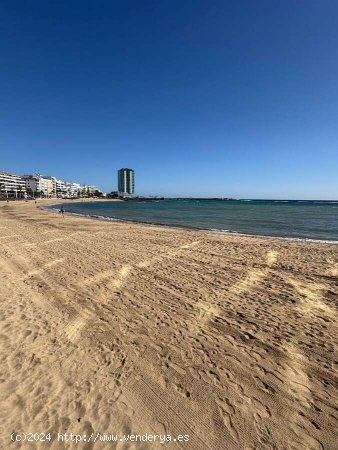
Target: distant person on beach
[62, 211]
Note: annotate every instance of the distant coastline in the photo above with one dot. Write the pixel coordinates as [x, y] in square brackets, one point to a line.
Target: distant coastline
[140, 198]
[229, 199]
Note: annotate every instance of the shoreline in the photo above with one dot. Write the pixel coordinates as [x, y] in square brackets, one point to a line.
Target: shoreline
[189, 228]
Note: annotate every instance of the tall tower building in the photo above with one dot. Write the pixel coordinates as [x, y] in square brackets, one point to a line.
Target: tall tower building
[126, 183]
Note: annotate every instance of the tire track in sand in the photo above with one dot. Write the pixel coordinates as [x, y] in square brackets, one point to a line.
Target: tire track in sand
[86, 317]
[254, 277]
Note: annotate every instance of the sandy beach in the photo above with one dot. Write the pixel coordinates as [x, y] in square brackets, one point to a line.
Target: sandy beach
[127, 329]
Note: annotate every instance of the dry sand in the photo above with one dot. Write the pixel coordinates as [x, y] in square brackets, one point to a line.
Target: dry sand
[131, 329]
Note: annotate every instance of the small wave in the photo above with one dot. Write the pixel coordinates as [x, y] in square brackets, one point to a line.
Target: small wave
[263, 236]
[76, 214]
[320, 241]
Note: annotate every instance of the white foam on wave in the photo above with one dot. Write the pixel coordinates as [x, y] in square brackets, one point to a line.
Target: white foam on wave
[264, 236]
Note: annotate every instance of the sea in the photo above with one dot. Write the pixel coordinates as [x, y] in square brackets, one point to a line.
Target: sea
[292, 219]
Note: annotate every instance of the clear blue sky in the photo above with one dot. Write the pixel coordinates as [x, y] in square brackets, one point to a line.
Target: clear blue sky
[206, 98]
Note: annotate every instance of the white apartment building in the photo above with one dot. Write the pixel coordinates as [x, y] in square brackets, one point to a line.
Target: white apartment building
[66, 189]
[73, 190]
[36, 185]
[15, 186]
[88, 191]
[12, 186]
[59, 187]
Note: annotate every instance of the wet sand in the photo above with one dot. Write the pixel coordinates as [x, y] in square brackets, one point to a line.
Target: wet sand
[130, 329]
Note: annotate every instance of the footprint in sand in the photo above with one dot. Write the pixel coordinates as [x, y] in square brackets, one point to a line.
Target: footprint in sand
[182, 391]
[226, 411]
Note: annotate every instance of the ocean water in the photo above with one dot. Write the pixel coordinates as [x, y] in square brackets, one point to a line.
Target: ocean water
[291, 219]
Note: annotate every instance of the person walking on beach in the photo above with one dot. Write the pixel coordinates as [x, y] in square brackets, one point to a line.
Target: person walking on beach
[62, 211]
